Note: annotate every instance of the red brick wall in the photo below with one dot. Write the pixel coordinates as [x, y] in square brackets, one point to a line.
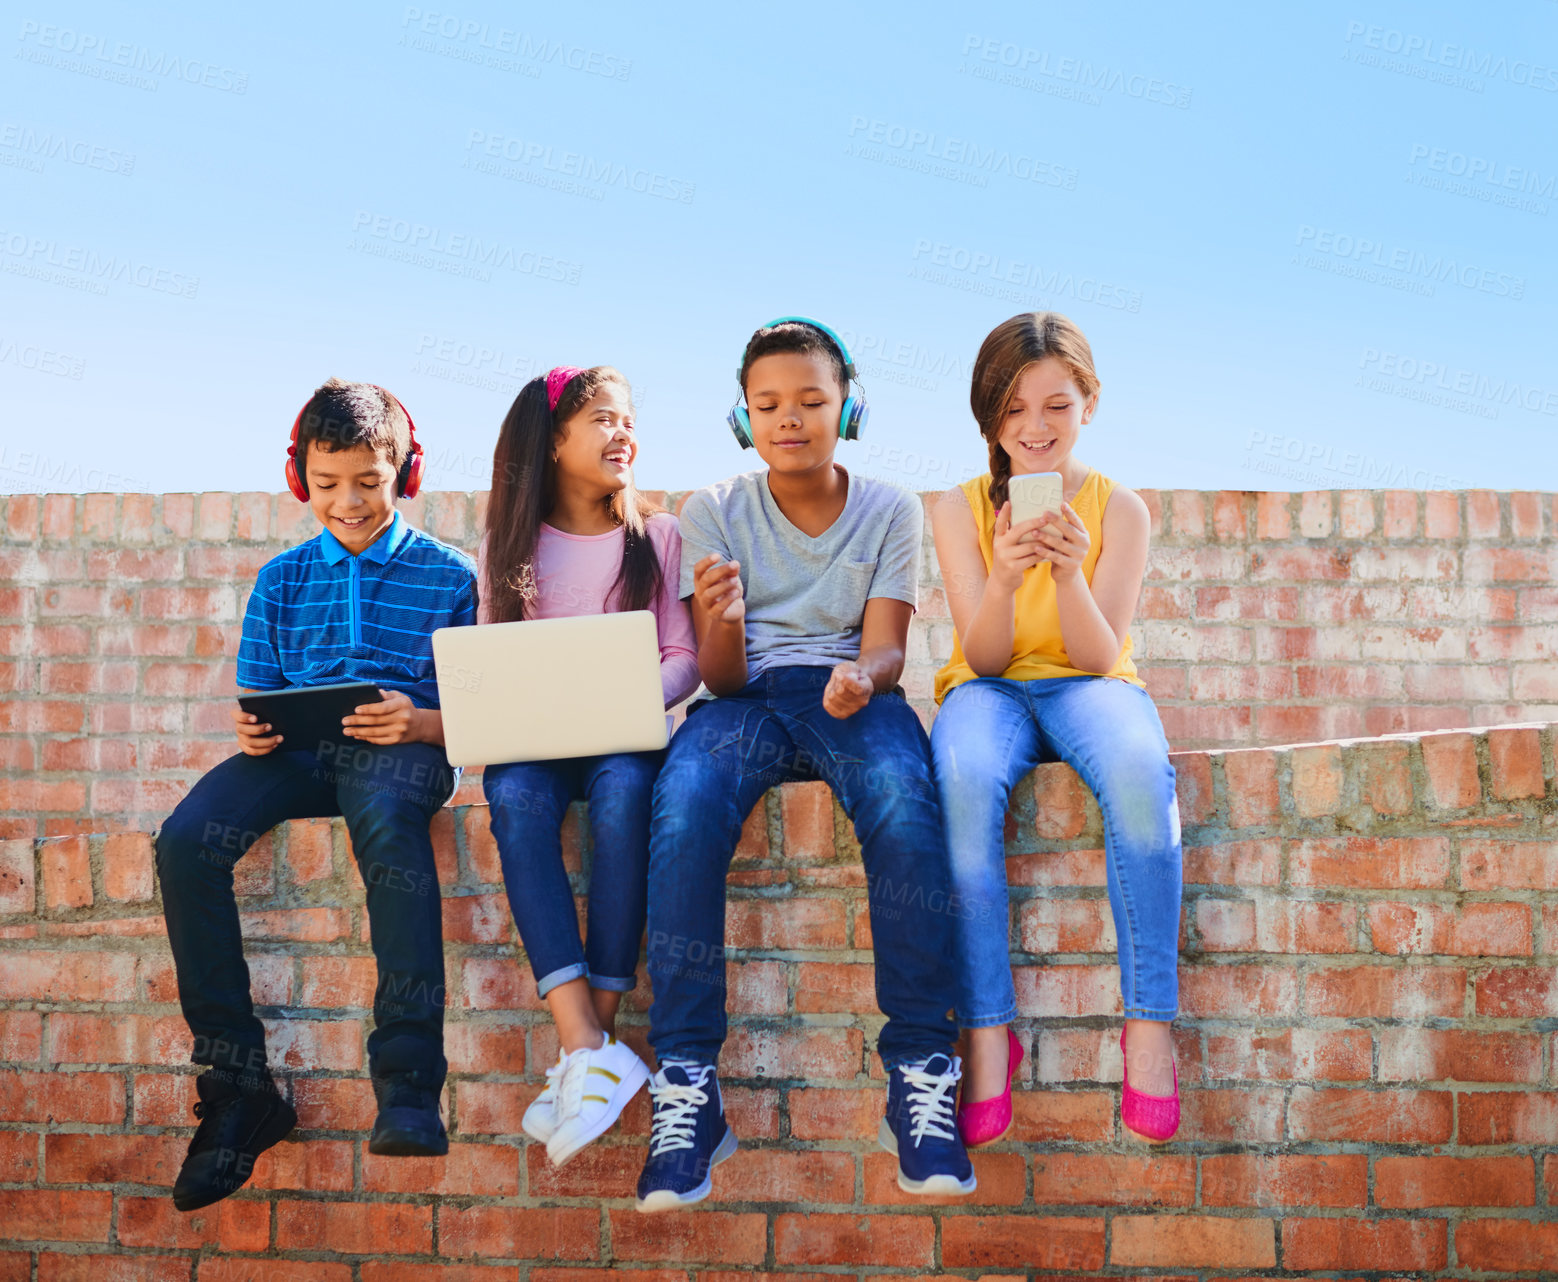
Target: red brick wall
[1370, 1071]
[1267, 618]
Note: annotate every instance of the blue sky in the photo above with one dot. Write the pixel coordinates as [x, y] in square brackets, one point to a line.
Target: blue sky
[1312, 248]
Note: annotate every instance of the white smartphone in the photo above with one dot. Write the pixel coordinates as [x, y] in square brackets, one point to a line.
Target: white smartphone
[1034, 494]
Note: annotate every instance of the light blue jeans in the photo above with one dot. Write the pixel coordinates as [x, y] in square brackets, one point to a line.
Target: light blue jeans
[989, 733]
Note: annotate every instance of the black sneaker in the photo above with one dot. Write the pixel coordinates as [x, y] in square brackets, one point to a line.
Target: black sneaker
[236, 1126]
[408, 1124]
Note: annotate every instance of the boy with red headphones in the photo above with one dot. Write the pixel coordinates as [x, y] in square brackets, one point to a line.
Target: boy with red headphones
[803, 580]
[358, 602]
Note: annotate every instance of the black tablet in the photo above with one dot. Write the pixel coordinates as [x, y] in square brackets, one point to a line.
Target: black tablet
[309, 717]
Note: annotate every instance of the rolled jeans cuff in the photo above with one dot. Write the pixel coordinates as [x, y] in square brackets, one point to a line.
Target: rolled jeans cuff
[988, 1021]
[613, 983]
[546, 983]
[1167, 1016]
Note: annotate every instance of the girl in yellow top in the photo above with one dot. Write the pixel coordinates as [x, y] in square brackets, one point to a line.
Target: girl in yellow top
[1041, 671]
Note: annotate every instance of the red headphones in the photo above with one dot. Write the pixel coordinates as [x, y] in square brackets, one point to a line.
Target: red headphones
[407, 481]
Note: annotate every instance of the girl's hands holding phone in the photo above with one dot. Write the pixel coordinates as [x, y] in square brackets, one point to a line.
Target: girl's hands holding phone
[1016, 549]
[1064, 544]
[716, 585]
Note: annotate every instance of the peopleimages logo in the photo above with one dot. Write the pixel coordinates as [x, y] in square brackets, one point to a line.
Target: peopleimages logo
[1411, 263]
[931, 146]
[84, 50]
[490, 42]
[1437, 53]
[83, 268]
[426, 245]
[47, 145]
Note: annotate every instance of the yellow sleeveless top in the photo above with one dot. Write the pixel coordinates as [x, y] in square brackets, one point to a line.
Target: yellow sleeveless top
[1037, 648]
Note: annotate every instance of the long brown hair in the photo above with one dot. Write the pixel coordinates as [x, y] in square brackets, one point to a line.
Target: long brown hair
[524, 490]
[1008, 350]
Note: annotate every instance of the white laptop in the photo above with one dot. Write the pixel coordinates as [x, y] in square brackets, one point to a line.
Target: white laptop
[547, 688]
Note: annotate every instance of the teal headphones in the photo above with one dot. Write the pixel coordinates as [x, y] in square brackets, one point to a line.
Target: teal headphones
[853, 414]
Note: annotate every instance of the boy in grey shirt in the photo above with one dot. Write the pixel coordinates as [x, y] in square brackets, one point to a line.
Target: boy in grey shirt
[803, 581]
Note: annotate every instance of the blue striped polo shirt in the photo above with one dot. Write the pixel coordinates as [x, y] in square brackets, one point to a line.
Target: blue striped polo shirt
[319, 615]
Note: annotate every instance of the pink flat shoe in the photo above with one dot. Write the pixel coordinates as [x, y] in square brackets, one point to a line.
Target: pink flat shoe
[1152, 1117]
[986, 1120]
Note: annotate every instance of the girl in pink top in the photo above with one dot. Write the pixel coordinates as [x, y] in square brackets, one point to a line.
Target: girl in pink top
[568, 534]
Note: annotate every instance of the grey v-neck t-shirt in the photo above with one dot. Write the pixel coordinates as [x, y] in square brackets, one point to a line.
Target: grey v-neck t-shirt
[806, 597]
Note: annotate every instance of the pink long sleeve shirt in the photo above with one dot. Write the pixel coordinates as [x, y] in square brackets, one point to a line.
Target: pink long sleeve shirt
[574, 573]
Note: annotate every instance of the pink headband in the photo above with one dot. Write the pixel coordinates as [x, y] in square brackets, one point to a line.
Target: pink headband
[556, 380]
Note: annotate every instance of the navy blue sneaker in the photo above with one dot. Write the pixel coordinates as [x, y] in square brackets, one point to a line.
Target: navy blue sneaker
[920, 1128]
[689, 1136]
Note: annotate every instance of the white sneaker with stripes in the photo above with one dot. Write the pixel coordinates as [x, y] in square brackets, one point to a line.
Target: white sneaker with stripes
[593, 1088]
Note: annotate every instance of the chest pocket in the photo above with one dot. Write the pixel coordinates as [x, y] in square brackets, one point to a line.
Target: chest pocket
[842, 591]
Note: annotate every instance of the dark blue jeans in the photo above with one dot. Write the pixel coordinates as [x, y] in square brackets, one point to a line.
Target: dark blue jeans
[529, 801]
[388, 796]
[726, 755]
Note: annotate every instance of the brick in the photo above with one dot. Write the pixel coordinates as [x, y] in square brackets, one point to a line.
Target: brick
[807, 811]
[827, 1113]
[1003, 1181]
[493, 1108]
[1454, 1181]
[1181, 1240]
[1400, 514]
[308, 1166]
[1508, 865]
[314, 1043]
[1317, 780]
[52, 1098]
[1506, 1245]
[36, 974]
[498, 983]
[1233, 863]
[774, 1175]
[1473, 929]
[1385, 992]
[1193, 787]
[1370, 1116]
[127, 867]
[1518, 992]
[1112, 1180]
[1060, 803]
[784, 923]
[1284, 1180]
[54, 1267]
[1451, 763]
[482, 1047]
[1291, 1054]
[18, 1165]
[79, 1038]
[1432, 1055]
[1515, 755]
[54, 1215]
[67, 873]
[487, 1170]
[715, 1237]
[1248, 1115]
[1252, 787]
[113, 1159]
[792, 1053]
[1364, 1244]
[1063, 1243]
[216, 1269]
[1238, 990]
[354, 1228]
[1416, 863]
[1529, 1117]
[421, 1271]
[1071, 1117]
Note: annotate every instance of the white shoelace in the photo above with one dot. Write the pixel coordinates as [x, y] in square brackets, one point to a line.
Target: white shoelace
[930, 1100]
[572, 1070]
[674, 1124]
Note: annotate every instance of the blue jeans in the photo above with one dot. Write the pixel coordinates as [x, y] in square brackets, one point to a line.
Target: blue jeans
[529, 801]
[388, 796]
[727, 754]
[989, 733]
